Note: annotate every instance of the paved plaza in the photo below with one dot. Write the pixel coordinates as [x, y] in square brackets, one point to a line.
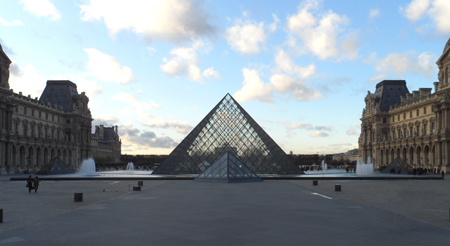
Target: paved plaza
[185, 212]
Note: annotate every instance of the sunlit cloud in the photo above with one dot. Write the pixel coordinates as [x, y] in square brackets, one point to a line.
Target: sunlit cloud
[169, 20]
[184, 61]
[107, 68]
[13, 23]
[434, 10]
[41, 8]
[321, 33]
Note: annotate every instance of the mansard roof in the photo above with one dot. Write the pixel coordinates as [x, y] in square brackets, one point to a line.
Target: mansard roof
[61, 93]
[109, 133]
[388, 93]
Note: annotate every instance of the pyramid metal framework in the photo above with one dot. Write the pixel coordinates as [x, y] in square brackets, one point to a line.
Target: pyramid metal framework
[228, 128]
[230, 169]
[55, 166]
[397, 165]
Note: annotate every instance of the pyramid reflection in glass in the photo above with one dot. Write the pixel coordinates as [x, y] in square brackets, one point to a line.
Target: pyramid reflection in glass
[228, 168]
[228, 128]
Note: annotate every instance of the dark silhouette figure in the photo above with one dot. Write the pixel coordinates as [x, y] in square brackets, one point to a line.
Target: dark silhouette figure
[36, 184]
[30, 182]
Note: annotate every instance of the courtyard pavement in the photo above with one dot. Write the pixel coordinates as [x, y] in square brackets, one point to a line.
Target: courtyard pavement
[185, 212]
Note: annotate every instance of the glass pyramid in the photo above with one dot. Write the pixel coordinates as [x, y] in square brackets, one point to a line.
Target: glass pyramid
[228, 128]
[228, 168]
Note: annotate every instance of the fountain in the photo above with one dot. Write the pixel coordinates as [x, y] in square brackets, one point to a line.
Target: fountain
[130, 166]
[324, 166]
[363, 169]
[87, 168]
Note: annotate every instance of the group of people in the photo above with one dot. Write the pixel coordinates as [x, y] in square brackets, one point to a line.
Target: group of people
[32, 184]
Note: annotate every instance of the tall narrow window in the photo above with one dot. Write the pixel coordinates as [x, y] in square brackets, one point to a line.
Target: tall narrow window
[417, 112]
[447, 75]
[425, 110]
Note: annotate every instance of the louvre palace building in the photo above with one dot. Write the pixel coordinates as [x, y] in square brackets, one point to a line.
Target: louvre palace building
[34, 131]
[412, 126]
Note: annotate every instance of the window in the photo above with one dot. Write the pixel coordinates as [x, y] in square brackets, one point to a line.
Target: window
[24, 110]
[447, 75]
[398, 117]
[32, 112]
[424, 129]
[39, 114]
[404, 116]
[417, 112]
[384, 120]
[46, 116]
[425, 110]
[393, 119]
[53, 117]
[17, 109]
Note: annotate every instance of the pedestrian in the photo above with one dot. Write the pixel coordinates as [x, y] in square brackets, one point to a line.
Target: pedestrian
[30, 182]
[36, 184]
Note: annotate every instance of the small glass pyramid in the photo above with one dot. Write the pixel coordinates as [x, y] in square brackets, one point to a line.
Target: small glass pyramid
[228, 168]
[228, 128]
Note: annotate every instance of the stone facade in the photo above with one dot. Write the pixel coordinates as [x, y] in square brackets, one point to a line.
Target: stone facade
[106, 145]
[413, 126]
[33, 131]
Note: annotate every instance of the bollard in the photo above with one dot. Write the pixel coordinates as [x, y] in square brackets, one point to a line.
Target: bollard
[315, 182]
[337, 188]
[140, 183]
[78, 197]
[136, 188]
[1, 215]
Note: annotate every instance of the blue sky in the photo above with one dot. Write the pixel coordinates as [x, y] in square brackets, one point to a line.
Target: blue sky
[155, 68]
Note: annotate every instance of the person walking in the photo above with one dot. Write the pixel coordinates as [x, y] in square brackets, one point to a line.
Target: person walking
[36, 184]
[30, 182]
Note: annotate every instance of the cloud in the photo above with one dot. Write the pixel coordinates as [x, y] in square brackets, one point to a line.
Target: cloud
[138, 105]
[136, 141]
[13, 23]
[405, 63]
[27, 80]
[107, 68]
[320, 32]
[210, 73]
[316, 131]
[248, 37]
[41, 8]
[285, 64]
[434, 10]
[353, 130]
[273, 26]
[374, 13]
[185, 61]
[254, 88]
[158, 122]
[284, 84]
[169, 20]
[415, 9]
[319, 134]
[106, 120]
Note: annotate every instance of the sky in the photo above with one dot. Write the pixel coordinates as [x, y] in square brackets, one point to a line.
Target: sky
[156, 68]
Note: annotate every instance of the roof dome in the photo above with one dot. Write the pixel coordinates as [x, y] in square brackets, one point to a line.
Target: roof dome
[446, 45]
